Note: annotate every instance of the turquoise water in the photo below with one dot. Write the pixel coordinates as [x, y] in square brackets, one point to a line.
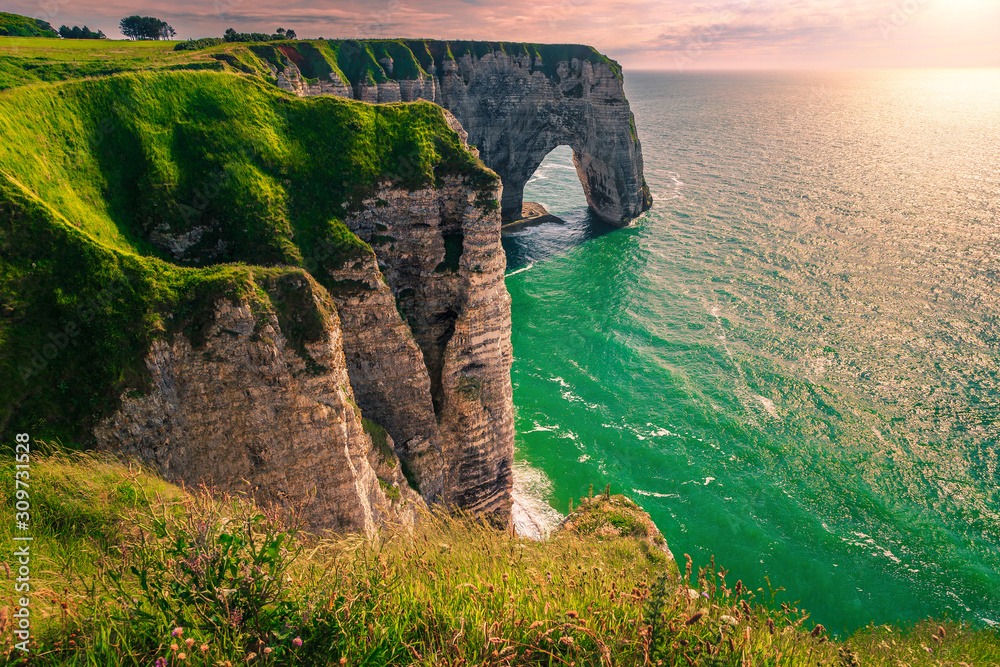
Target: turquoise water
[792, 361]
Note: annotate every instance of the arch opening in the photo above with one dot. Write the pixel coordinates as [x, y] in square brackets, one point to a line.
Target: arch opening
[555, 184]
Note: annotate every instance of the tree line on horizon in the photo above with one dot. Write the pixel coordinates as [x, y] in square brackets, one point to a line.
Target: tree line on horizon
[232, 36]
[76, 32]
[133, 27]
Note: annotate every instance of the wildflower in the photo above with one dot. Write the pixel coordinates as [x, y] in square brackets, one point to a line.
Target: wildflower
[572, 614]
[818, 630]
[189, 642]
[731, 620]
[343, 661]
[695, 617]
[204, 648]
[177, 632]
[173, 647]
[267, 650]
[182, 656]
[297, 642]
[160, 662]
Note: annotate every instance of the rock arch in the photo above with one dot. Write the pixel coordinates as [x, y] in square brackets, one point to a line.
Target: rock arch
[516, 112]
[517, 102]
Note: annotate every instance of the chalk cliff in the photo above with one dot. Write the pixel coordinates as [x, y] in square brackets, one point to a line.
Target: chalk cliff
[243, 412]
[301, 298]
[516, 101]
[298, 298]
[413, 335]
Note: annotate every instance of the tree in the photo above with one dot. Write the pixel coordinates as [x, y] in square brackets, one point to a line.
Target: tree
[280, 31]
[289, 34]
[76, 32]
[145, 27]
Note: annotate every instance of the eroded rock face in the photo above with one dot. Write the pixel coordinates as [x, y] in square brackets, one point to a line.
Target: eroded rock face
[516, 114]
[439, 325]
[246, 408]
[516, 109]
[413, 337]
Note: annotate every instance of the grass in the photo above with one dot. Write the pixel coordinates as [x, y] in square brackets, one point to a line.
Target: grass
[609, 516]
[380, 438]
[120, 559]
[96, 178]
[25, 60]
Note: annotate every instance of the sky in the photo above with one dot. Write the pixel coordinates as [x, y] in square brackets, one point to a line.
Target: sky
[640, 34]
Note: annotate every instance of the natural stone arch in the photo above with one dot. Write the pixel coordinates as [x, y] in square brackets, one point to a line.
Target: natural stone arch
[516, 114]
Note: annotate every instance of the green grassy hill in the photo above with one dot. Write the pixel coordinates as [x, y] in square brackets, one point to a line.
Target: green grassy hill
[94, 172]
[15, 25]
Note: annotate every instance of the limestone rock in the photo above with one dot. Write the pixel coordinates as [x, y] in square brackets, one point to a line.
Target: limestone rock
[246, 412]
[515, 110]
[442, 339]
[516, 115]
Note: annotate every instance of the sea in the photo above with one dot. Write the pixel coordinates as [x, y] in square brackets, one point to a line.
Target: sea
[791, 362]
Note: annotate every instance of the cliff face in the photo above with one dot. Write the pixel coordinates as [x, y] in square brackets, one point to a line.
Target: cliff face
[306, 302]
[302, 298]
[516, 114]
[416, 338]
[516, 101]
[244, 408]
[443, 334]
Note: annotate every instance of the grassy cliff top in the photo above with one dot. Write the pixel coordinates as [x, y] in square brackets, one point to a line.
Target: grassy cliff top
[124, 565]
[25, 61]
[130, 203]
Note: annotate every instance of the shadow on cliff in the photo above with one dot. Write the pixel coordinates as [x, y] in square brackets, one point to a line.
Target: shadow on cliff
[540, 242]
